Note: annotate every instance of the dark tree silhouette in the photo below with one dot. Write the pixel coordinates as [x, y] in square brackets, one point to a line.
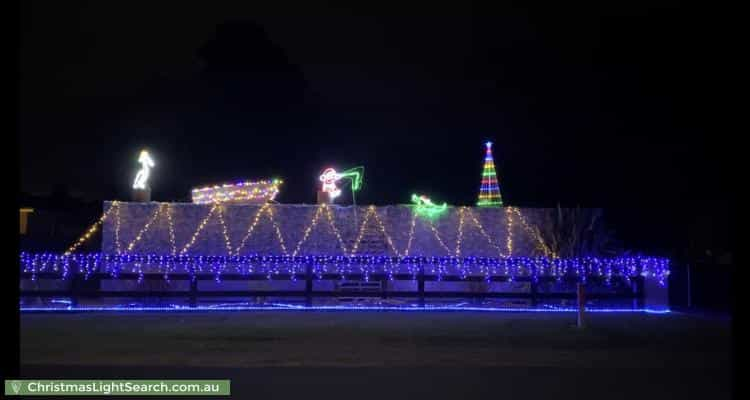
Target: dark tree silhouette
[578, 232]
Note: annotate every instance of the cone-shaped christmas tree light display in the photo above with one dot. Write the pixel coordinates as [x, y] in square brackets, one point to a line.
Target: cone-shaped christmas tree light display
[489, 193]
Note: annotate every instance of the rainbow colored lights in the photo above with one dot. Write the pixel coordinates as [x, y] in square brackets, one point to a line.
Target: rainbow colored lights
[489, 193]
[248, 192]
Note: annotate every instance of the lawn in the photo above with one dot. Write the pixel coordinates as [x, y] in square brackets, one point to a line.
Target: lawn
[298, 338]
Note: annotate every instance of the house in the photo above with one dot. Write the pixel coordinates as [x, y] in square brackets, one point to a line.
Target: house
[25, 211]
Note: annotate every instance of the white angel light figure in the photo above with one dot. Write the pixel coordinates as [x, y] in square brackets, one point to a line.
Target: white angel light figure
[146, 164]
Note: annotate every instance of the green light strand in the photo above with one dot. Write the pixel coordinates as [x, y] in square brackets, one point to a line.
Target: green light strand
[356, 174]
[424, 207]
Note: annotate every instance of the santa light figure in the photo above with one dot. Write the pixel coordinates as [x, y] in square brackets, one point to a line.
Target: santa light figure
[329, 177]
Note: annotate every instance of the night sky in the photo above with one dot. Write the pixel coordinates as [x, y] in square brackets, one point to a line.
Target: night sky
[596, 105]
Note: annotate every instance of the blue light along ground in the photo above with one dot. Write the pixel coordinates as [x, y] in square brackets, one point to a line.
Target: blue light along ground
[65, 305]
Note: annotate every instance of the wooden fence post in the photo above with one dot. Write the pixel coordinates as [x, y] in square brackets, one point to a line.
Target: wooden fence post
[74, 288]
[420, 285]
[581, 296]
[308, 285]
[194, 291]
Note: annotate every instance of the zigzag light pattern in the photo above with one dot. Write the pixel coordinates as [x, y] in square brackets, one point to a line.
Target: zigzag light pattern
[513, 218]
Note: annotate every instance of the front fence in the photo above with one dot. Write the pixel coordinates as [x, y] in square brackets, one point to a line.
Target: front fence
[615, 279]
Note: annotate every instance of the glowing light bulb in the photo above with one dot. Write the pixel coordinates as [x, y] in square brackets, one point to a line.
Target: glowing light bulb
[141, 179]
[426, 208]
[329, 177]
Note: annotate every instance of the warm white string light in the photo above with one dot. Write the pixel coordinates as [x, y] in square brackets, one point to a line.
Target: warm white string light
[240, 192]
[371, 211]
[411, 233]
[172, 241]
[361, 232]
[484, 233]
[145, 228]
[251, 228]
[541, 245]
[512, 216]
[267, 210]
[460, 231]
[227, 242]
[279, 236]
[439, 239]
[198, 231]
[309, 229]
[382, 230]
[117, 229]
[509, 234]
[333, 227]
[92, 229]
